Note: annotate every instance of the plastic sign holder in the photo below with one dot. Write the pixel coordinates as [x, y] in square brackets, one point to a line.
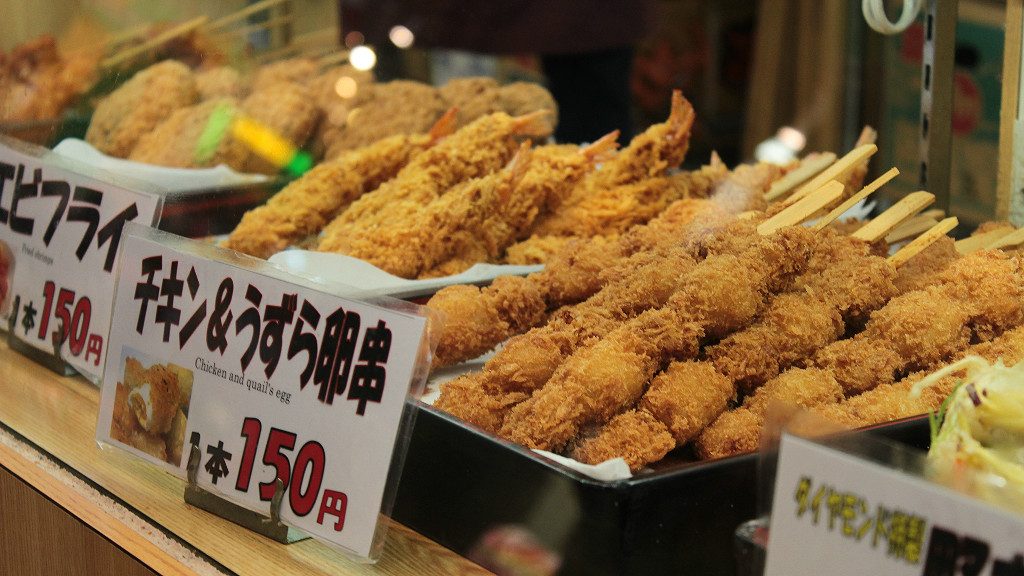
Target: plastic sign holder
[271, 526]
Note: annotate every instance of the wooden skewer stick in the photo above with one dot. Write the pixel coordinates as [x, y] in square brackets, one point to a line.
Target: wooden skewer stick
[935, 214]
[250, 28]
[923, 241]
[852, 200]
[244, 13]
[1010, 240]
[837, 171]
[804, 209]
[912, 227]
[808, 168]
[135, 51]
[899, 212]
[334, 58]
[981, 241]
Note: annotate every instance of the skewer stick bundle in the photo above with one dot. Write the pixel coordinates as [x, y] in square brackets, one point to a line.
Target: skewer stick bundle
[981, 241]
[853, 200]
[923, 241]
[804, 208]
[910, 228]
[910, 205]
[837, 171]
[808, 169]
[167, 35]
[1015, 238]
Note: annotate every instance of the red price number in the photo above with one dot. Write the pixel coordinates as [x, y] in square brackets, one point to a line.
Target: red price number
[73, 315]
[302, 479]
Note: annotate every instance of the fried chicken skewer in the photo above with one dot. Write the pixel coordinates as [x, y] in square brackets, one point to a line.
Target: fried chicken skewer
[482, 147]
[976, 298]
[306, 205]
[842, 285]
[643, 281]
[891, 402]
[721, 295]
[478, 319]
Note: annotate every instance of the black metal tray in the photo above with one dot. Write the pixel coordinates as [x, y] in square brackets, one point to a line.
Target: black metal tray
[459, 485]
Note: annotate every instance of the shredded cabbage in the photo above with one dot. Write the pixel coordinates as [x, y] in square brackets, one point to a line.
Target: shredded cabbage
[978, 436]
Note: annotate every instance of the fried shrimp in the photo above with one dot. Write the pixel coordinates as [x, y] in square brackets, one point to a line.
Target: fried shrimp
[480, 148]
[306, 205]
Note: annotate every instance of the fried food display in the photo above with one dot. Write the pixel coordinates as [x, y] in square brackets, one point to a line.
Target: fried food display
[151, 409]
[976, 298]
[481, 318]
[173, 142]
[38, 81]
[306, 205]
[474, 151]
[221, 82]
[139, 106]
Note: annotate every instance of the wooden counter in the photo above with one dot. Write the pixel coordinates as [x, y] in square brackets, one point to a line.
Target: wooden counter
[48, 428]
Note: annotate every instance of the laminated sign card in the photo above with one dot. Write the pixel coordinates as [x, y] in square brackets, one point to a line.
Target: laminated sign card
[60, 231]
[270, 376]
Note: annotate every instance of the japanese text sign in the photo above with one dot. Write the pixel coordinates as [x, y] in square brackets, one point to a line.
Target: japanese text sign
[269, 375]
[837, 513]
[62, 230]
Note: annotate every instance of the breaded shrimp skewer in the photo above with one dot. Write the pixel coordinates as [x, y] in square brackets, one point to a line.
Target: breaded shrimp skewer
[409, 246]
[478, 319]
[305, 206]
[482, 147]
[721, 295]
[548, 180]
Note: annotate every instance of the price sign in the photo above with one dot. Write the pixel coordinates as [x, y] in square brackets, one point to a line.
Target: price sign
[836, 513]
[269, 375]
[61, 231]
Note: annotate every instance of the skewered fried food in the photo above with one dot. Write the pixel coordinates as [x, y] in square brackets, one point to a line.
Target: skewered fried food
[679, 403]
[408, 246]
[796, 324]
[474, 151]
[305, 206]
[739, 430]
[575, 273]
[889, 402]
[138, 106]
[977, 297]
[599, 381]
[551, 176]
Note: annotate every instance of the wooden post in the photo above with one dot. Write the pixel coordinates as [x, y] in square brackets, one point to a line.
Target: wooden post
[1009, 204]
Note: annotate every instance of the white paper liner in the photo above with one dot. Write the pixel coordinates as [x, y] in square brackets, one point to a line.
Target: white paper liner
[172, 179]
[339, 268]
[607, 471]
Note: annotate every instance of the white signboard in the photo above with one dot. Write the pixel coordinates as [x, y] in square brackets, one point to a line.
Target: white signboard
[835, 513]
[62, 230]
[269, 375]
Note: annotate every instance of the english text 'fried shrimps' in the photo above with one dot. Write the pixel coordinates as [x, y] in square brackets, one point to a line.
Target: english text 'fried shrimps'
[305, 206]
